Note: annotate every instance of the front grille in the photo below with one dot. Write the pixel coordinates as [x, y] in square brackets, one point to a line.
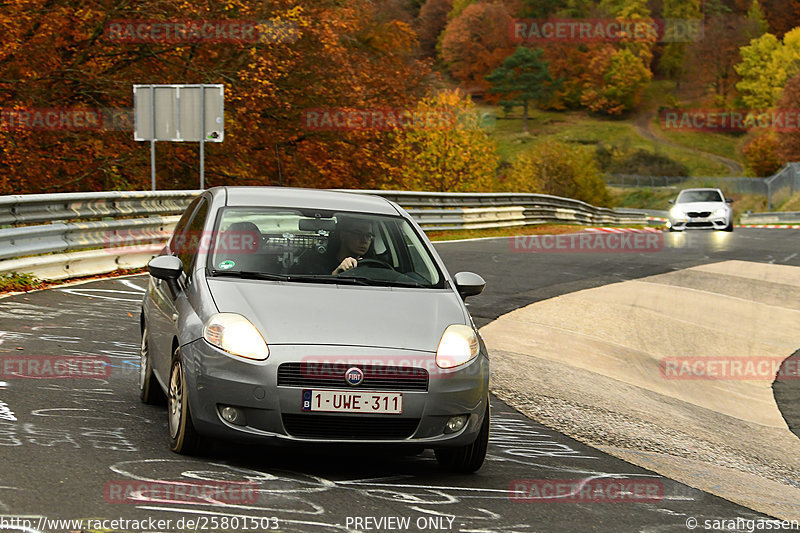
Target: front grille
[314, 426]
[331, 375]
[699, 225]
[699, 214]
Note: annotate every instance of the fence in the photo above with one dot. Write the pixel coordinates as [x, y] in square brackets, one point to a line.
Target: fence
[93, 233]
[783, 183]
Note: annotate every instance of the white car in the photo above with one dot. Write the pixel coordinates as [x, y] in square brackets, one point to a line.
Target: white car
[701, 209]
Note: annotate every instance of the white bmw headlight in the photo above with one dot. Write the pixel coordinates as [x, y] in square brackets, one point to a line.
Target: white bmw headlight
[459, 345]
[237, 335]
[676, 212]
[721, 212]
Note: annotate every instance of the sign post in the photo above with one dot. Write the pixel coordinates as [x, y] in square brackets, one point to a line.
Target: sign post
[178, 113]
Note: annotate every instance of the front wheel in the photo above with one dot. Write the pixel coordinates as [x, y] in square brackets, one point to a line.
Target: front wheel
[183, 438]
[729, 227]
[469, 458]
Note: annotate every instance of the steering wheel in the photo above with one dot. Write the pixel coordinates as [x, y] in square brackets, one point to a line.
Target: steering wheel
[374, 262]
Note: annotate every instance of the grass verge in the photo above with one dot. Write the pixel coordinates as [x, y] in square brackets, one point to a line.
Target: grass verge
[539, 229]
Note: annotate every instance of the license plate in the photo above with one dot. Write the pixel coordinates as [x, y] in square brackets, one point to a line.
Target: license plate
[339, 401]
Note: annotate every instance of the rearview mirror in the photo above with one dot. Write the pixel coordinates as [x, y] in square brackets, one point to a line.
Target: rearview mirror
[316, 224]
[671, 202]
[469, 284]
[168, 268]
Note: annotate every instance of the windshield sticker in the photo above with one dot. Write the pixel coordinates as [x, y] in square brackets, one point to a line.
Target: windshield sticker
[225, 265]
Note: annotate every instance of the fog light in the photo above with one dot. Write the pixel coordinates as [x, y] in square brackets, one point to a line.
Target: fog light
[455, 423]
[233, 415]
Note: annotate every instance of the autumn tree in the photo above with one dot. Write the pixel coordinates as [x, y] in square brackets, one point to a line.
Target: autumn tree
[782, 15]
[59, 54]
[616, 82]
[458, 7]
[431, 22]
[787, 141]
[476, 42]
[673, 57]
[756, 21]
[560, 169]
[762, 154]
[521, 79]
[711, 60]
[767, 63]
[446, 151]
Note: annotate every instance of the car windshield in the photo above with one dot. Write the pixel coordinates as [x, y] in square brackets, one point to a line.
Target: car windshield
[335, 247]
[699, 196]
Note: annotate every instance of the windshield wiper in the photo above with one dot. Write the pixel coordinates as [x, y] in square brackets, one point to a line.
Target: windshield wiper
[386, 283]
[248, 274]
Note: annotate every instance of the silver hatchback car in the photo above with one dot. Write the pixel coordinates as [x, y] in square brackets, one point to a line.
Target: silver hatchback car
[301, 315]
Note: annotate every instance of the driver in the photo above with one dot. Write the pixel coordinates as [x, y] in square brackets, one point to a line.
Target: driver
[355, 240]
[350, 241]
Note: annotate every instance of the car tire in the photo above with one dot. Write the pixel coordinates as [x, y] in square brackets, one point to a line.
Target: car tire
[729, 227]
[469, 458]
[149, 389]
[183, 438]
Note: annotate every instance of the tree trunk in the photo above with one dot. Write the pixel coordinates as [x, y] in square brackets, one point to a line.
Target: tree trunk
[525, 116]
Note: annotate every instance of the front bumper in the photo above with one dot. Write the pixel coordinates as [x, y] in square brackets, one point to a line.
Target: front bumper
[271, 412]
[709, 222]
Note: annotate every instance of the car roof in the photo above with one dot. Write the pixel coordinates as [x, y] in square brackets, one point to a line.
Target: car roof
[703, 189]
[305, 199]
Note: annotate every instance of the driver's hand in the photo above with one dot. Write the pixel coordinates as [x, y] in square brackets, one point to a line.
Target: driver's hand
[346, 264]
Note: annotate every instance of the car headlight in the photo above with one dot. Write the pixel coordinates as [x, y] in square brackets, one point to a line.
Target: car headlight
[459, 345]
[676, 212]
[237, 335]
[721, 212]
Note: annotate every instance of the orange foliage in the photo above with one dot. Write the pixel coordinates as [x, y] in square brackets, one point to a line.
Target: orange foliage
[58, 54]
[476, 42]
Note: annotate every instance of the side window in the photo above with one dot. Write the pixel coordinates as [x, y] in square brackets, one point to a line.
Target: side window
[188, 242]
[180, 228]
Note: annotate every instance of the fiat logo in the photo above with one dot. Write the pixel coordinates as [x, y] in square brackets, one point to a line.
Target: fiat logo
[354, 376]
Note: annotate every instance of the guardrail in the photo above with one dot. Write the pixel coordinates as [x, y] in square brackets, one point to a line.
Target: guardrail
[788, 217]
[95, 233]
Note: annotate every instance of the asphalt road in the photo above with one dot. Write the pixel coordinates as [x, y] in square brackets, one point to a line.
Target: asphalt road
[66, 444]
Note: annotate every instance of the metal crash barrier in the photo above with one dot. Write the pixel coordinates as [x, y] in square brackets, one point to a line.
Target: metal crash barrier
[59, 236]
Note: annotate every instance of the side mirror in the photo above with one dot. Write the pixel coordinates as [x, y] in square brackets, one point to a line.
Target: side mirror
[728, 200]
[469, 284]
[671, 202]
[168, 268]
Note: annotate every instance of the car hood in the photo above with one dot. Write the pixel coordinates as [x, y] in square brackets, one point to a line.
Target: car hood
[701, 206]
[313, 313]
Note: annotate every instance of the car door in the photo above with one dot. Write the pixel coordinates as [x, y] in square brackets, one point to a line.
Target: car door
[184, 244]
